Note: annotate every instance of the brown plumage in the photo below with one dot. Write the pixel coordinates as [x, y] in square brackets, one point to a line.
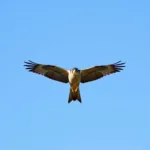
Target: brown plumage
[96, 72]
[74, 76]
[49, 71]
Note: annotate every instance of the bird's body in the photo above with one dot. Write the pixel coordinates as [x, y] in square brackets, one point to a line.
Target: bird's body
[74, 79]
[74, 76]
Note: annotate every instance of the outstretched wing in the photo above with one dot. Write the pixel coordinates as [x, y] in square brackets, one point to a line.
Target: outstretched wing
[52, 72]
[97, 72]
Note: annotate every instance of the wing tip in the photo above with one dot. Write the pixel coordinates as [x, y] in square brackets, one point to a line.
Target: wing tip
[120, 62]
[29, 65]
[119, 66]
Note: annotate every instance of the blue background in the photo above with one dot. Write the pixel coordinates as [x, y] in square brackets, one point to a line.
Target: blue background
[34, 112]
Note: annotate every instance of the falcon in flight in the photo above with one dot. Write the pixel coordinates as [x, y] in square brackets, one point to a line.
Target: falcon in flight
[74, 76]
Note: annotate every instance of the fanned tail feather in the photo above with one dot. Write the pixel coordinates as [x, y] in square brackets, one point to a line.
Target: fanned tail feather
[73, 96]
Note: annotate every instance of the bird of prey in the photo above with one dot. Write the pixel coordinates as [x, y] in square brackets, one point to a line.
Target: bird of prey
[74, 76]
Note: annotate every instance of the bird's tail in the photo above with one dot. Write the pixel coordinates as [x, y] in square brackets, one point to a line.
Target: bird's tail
[74, 95]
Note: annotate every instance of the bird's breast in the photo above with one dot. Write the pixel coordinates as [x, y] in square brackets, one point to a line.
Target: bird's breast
[74, 78]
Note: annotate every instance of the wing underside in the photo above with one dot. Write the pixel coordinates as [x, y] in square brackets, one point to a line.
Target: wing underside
[97, 72]
[49, 71]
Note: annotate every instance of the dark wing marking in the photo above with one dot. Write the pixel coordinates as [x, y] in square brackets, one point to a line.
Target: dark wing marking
[50, 71]
[97, 72]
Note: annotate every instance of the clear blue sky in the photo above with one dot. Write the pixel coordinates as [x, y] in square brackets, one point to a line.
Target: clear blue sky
[34, 111]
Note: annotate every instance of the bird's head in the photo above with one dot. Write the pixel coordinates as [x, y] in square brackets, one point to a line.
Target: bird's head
[75, 70]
